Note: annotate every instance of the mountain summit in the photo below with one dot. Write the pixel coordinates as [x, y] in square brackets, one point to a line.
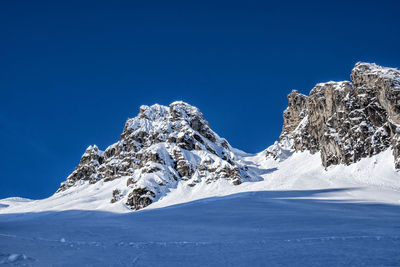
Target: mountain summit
[347, 121]
[159, 147]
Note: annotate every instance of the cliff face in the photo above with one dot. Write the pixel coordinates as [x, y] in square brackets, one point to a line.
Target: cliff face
[347, 121]
[159, 147]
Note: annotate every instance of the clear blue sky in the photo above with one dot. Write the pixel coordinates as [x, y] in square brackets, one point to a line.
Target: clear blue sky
[72, 72]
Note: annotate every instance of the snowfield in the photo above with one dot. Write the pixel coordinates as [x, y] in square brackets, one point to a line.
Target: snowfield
[297, 214]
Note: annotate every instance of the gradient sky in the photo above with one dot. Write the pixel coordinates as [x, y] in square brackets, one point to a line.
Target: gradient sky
[72, 72]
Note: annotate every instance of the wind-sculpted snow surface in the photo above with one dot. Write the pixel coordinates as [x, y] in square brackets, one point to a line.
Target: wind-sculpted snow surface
[347, 121]
[158, 148]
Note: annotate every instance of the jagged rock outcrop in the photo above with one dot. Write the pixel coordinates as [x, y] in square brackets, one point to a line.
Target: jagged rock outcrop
[157, 149]
[87, 168]
[347, 121]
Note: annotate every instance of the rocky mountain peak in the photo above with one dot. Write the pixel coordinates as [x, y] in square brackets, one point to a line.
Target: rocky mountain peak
[158, 148]
[346, 121]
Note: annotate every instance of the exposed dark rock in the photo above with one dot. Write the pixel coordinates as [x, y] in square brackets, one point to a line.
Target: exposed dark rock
[140, 198]
[116, 195]
[87, 170]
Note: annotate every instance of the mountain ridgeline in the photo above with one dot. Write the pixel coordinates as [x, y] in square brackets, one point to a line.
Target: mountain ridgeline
[163, 146]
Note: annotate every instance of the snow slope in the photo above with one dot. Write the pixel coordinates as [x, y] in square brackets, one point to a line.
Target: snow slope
[298, 214]
[373, 179]
[263, 228]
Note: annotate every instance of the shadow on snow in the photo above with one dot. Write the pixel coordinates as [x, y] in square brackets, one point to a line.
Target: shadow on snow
[264, 228]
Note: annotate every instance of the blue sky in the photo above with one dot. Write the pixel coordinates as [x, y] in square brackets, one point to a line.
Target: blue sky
[72, 72]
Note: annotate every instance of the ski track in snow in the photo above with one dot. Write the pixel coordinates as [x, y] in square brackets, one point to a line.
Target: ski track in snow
[189, 243]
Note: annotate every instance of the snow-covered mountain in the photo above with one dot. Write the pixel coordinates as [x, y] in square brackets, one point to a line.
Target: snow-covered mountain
[158, 148]
[343, 134]
[325, 194]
